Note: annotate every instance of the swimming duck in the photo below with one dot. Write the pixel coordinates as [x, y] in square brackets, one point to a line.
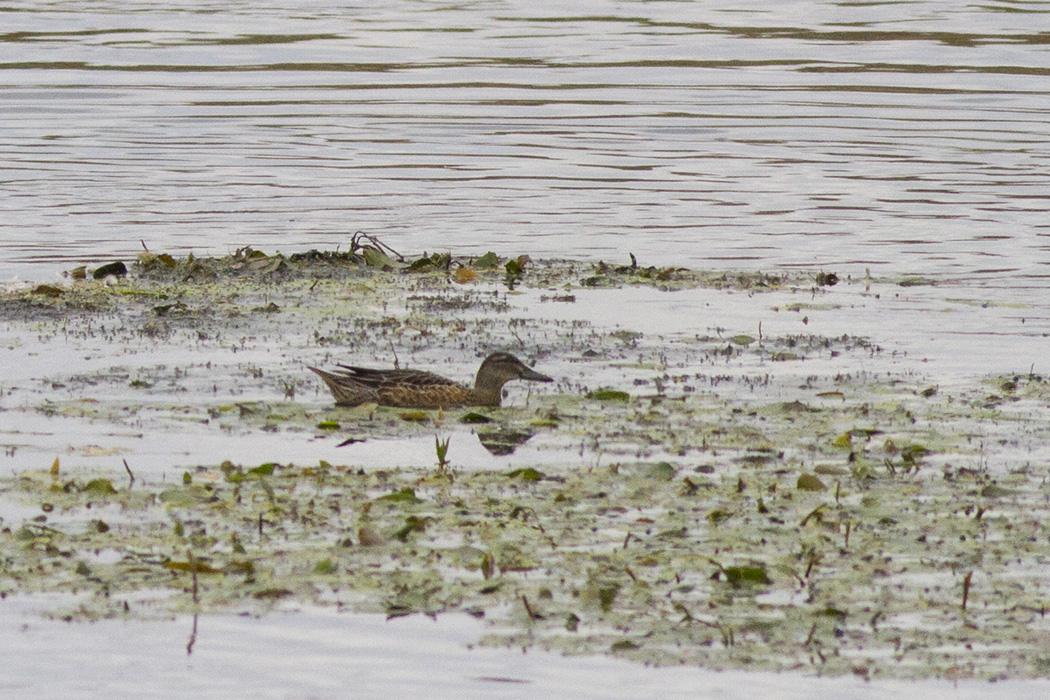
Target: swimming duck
[412, 388]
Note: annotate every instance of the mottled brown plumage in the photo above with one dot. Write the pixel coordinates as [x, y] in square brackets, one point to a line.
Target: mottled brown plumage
[410, 388]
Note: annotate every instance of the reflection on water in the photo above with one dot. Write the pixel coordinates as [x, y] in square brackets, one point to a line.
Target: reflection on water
[321, 653]
[900, 136]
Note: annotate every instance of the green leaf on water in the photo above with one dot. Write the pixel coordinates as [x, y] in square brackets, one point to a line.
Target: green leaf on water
[516, 266]
[737, 575]
[377, 259]
[413, 523]
[661, 471]
[810, 482]
[100, 486]
[526, 474]
[405, 495]
[718, 515]
[606, 596]
[486, 262]
[916, 281]
[262, 470]
[609, 395]
[623, 645]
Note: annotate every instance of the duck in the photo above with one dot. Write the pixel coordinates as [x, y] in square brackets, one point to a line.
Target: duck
[412, 388]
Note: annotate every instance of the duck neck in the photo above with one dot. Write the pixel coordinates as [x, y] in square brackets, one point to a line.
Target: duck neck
[489, 391]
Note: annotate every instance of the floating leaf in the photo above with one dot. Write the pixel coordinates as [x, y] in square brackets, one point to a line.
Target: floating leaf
[234, 475]
[368, 537]
[737, 575]
[100, 486]
[662, 471]
[439, 261]
[380, 260]
[488, 566]
[116, 269]
[415, 416]
[263, 469]
[624, 645]
[328, 425]
[810, 482]
[487, 261]
[718, 515]
[916, 282]
[464, 276]
[609, 395]
[325, 566]
[526, 474]
[516, 266]
[405, 495]
[742, 339]
[844, 440]
[270, 308]
[413, 523]
[994, 491]
[272, 594]
[474, 417]
[795, 407]
[47, 290]
[241, 566]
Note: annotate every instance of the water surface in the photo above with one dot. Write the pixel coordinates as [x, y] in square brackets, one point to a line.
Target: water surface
[897, 136]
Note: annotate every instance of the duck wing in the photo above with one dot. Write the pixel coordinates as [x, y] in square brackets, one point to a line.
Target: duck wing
[391, 378]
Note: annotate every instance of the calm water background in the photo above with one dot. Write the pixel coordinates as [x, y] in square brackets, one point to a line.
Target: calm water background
[900, 136]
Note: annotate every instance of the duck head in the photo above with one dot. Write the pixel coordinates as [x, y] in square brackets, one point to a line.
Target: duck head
[500, 368]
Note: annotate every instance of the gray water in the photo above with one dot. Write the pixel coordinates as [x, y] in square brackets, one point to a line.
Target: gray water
[902, 137]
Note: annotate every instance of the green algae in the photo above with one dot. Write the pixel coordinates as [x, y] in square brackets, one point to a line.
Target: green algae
[867, 580]
[851, 525]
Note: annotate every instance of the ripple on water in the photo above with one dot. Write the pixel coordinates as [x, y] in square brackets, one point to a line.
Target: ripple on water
[904, 136]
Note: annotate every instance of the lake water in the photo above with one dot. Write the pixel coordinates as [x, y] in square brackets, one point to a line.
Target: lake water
[901, 137]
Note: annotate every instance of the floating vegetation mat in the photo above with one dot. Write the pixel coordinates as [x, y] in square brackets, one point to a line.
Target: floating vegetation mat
[694, 506]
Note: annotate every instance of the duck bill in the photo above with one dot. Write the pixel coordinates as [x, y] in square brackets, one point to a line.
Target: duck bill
[534, 376]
